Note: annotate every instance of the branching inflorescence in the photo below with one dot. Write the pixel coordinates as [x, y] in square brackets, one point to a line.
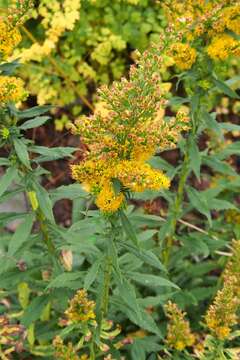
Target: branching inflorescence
[124, 136]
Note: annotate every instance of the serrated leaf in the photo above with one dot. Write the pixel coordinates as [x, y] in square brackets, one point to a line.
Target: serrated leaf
[7, 179]
[21, 235]
[128, 296]
[33, 123]
[22, 152]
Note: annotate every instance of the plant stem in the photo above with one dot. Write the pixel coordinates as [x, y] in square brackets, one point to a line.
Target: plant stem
[60, 71]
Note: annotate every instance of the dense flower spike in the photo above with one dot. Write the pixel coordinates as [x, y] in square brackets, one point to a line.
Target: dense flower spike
[11, 89]
[126, 132]
[221, 315]
[80, 308]
[214, 23]
[179, 334]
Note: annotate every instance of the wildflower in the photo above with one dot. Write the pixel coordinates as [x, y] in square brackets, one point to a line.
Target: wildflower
[4, 133]
[80, 308]
[222, 46]
[9, 38]
[11, 89]
[124, 133]
[233, 266]
[221, 315]
[179, 334]
[183, 55]
[65, 352]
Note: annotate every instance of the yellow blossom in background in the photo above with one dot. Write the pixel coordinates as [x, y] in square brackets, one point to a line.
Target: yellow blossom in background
[183, 55]
[11, 89]
[80, 308]
[233, 265]
[9, 38]
[222, 46]
[57, 18]
[179, 335]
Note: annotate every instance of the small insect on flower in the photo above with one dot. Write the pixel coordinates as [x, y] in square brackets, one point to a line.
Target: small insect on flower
[183, 55]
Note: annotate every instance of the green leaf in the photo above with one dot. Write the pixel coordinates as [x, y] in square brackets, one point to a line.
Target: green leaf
[128, 296]
[44, 201]
[218, 204]
[49, 154]
[224, 88]
[33, 123]
[22, 152]
[195, 158]
[21, 235]
[146, 255]
[127, 226]
[34, 310]
[71, 192]
[7, 179]
[151, 280]
[66, 279]
[199, 203]
[92, 274]
[8, 68]
[34, 111]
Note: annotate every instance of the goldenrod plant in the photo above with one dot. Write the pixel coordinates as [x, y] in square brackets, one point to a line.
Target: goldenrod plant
[145, 268]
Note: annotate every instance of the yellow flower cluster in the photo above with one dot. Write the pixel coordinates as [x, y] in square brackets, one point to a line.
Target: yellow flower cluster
[222, 315]
[222, 46]
[211, 20]
[232, 216]
[11, 89]
[9, 38]
[124, 132]
[65, 352]
[57, 18]
[179, 335]
[183, 55]
[80, 308]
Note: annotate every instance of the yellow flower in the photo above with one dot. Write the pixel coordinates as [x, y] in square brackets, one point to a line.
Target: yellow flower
[179, 334]
[183, 55]
[221, 315]
[222, 46]
[11, 89]
[9, 38]
[107, 200]
[80, 308]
